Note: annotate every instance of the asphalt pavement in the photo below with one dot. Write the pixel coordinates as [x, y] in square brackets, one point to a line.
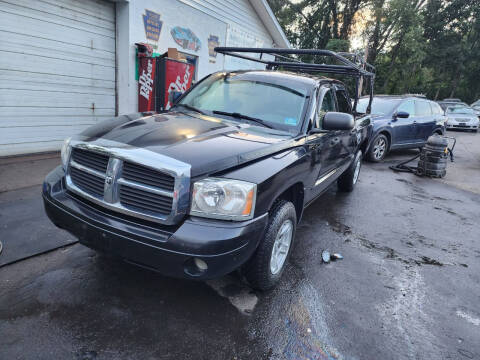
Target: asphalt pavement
[407, 288]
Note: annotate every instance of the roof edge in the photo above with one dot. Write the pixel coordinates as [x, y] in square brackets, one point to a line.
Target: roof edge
[271, 23]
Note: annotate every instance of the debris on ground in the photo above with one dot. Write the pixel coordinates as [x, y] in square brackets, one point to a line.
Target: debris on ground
[337, 256]
[326, 256]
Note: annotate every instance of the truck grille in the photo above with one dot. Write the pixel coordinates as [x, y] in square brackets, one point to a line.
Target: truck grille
[142, 200]
[115, 181]
[146, 176]
[90, 159]
[87, 182]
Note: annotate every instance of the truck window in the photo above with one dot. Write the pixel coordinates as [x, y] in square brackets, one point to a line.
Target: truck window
[328, 104]
[342, 102]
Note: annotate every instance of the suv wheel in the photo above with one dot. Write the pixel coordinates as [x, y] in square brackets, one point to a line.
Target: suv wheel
[379, 148]
[264, 269]
[347, 181]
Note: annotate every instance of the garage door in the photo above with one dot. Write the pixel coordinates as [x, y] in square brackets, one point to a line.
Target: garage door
[57, 71]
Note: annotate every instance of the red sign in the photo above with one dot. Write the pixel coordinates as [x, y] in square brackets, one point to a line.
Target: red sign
[178, 77]
[146, 84]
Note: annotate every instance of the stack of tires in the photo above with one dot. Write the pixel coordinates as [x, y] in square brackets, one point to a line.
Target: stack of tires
[433, 157]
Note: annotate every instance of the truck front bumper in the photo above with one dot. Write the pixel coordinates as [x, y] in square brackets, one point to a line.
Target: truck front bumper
[171, 250]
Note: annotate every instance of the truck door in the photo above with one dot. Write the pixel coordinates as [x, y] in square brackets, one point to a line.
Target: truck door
[324, 146]
[404, 130]
[348, 138]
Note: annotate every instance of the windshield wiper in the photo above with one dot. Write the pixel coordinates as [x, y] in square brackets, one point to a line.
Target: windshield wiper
[241, 116]
[190, 107]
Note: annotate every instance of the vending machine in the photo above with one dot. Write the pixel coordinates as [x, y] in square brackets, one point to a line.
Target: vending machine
[158, 77]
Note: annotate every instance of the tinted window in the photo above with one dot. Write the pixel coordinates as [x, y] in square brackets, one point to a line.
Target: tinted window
[422, 108]
[328, 104]
[342, 101]
[380, 106]
[436, 109]
[407, 106]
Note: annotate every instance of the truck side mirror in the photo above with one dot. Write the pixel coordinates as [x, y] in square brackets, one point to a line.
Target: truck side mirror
[402, 115]
[173, 96]
[338, 121]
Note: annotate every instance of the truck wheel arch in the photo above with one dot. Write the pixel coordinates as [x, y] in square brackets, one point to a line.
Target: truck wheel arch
[295, 194]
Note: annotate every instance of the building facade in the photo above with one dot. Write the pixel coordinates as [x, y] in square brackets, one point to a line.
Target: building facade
[67, 64]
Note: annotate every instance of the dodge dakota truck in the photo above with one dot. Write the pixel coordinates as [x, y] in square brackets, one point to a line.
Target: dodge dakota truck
[217, 183]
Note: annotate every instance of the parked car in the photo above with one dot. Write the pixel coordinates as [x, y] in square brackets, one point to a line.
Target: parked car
[450, 102]
[461, 117]
[401, 122]
[219, 182]
[476, 108]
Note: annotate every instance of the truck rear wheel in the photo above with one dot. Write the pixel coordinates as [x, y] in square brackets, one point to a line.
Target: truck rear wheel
[265, 268]
[347, 181]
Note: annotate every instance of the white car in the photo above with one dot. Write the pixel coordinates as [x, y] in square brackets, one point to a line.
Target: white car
[476, 107]
[461, 117]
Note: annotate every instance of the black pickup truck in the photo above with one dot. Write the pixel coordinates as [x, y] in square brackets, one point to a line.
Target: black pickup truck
[217, 183]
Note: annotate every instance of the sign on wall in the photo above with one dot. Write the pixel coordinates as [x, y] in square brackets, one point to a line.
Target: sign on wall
[213, 42]
[240, 38]
[153, 27]
[186, 38]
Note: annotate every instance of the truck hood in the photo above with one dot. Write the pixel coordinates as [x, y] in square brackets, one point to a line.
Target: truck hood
[207, 144]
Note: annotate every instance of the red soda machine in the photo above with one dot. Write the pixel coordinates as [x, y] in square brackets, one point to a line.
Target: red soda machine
[158, 76]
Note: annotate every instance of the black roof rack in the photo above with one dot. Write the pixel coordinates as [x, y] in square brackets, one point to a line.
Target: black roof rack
[356, 67]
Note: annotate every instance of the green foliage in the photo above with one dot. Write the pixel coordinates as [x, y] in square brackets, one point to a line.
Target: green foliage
[418, 46]
[338, 45]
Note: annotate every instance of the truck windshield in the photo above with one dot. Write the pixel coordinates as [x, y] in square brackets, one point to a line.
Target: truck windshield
[278, 104]
[379, 106]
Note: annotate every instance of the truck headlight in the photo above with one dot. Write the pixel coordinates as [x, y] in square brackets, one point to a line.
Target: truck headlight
[223, 199]
[65, 152]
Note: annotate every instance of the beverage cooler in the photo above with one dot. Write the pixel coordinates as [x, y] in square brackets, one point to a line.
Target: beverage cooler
[158, 76]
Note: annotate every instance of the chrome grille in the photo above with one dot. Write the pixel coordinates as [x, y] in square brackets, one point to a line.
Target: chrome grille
[146, 176]
[90, 159]
[89, 183]
[142, 200]
[132, 181]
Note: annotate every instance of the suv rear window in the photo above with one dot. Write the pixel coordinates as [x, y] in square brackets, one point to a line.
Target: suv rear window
[422, 108]
[436, 109]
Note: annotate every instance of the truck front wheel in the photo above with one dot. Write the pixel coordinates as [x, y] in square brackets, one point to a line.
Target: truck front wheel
[264, 269]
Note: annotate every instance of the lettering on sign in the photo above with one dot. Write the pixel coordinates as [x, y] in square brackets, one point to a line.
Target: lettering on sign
[178, 85]
[153, 27]
[145, 80]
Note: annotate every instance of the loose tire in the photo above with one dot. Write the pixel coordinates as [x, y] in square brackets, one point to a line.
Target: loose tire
[347, 181]
[379, 148]
[260, 270]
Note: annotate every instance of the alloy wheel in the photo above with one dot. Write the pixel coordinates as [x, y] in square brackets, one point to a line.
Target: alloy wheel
[281, 246]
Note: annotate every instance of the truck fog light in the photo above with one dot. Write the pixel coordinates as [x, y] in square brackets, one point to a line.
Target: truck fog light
[200, 264]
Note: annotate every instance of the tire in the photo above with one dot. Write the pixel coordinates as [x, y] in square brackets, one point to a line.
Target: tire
[379, 148]
[258, 270]
[346, 181]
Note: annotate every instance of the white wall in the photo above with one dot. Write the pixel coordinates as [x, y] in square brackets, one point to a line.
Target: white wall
[233, 21]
